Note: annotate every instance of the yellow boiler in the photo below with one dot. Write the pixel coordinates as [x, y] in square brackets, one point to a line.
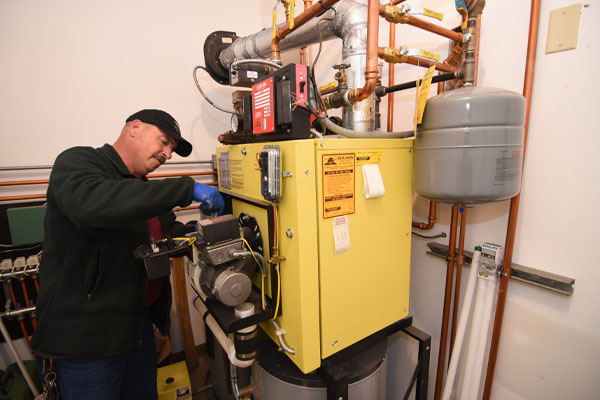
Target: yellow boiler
[341, 222]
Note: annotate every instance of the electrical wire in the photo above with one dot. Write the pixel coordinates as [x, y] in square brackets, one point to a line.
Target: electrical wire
[275, 244]
[262, 272]
[204, 95]
[443, 234]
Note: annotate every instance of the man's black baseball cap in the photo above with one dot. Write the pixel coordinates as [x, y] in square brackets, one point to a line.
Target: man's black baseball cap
[166, 123]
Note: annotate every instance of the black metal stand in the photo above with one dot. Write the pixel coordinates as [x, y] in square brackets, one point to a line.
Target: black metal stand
[336, 376]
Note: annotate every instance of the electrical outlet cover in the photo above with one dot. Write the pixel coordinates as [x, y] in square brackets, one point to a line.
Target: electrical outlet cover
[563, 29]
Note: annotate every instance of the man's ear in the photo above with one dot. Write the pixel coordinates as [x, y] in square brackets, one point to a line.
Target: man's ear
[135, 127]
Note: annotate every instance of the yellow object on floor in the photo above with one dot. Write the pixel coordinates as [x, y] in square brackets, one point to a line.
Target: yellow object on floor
[173, 382]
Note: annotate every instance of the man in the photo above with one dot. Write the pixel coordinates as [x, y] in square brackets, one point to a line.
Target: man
[95, 306]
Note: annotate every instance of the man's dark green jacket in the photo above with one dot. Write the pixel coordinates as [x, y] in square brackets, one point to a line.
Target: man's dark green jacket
[92, 289]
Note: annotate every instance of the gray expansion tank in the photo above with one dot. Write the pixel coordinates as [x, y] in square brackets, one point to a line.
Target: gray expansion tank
[469, 147]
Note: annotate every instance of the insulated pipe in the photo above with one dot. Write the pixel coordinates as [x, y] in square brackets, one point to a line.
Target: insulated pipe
[450, 258]
[482, 314]
[460, 260]
[332, 126]
[13, 350]
[222, 337]
[462, 324]
[371, 70]
[514, 205]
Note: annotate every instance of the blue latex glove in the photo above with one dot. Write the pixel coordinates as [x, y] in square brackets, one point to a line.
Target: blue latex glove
[210, 198]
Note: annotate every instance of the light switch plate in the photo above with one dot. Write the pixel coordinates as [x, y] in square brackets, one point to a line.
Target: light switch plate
[563, 28]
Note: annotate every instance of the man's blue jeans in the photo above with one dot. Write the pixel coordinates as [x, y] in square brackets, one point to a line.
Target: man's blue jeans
[129, 376]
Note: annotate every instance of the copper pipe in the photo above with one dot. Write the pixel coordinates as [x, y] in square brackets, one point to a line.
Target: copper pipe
[431, 217]
[37, 285]
[390, 114]
[460, 260]
[14, 300]
[477, 35]
[26, 295]
[534, 20]
[21, 183]
[329, 90]
[394, 55]
[300, 20]
[167, 175]
[178, 209]
[24, 197]
[26, 336]
[371, 70]
[398, 16]
[307, 4]
[423, 62]
[394, 2]
[433, 28]
[450, 258]
[175, 174]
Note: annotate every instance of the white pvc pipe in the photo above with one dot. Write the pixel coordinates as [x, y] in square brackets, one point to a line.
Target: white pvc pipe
[475, 335]
[222, 338]
[488, 304]
[462, 325]
[13, 350]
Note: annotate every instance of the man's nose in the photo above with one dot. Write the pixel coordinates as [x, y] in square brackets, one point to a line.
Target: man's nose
[168, 152]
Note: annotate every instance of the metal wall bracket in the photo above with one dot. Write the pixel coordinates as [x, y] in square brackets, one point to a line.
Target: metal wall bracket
[556, 283]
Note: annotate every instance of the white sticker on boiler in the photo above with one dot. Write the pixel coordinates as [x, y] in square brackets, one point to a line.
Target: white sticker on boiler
[341, 234]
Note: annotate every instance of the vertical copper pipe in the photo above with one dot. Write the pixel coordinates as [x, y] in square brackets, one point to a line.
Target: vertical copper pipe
[514, 206]
[371, 70]
[450, 258]
[431, 218]
[460, 260]
[26, 296]
[390, 113]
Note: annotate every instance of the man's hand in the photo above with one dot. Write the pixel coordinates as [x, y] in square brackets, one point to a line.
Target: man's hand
[210, 198]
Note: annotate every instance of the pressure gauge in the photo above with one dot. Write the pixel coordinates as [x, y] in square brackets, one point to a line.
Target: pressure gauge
[234, 122]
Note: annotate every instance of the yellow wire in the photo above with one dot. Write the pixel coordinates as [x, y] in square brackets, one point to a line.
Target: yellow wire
[262, 273]
[275, 242]
[278, 291]
[190, 240]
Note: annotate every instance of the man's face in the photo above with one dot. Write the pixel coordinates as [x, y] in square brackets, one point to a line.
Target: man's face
[153, 148]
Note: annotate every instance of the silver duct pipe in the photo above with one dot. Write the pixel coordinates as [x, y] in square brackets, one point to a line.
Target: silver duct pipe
[346, 20]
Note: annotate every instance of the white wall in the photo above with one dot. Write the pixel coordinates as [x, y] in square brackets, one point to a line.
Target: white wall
[550, 343]
[72, 71]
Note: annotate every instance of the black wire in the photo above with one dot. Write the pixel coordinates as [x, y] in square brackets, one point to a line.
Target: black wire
[312, 68]
[443, 234]
[407, 85]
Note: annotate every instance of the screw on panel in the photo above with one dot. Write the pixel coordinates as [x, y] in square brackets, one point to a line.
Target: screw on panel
[334, 343]
[410, 149]
[244, 151]
[286, 174]
[289, 233]
[321, 144]
[407, 233]
[306, 172]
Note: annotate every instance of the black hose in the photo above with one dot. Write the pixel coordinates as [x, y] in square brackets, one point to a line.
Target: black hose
[407, 85]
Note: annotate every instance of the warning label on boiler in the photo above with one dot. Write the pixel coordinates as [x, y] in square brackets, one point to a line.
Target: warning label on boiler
[338, 184]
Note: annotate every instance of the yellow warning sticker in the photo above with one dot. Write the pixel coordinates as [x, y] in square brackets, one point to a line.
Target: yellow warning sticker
[369, 157]
[338, 184]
